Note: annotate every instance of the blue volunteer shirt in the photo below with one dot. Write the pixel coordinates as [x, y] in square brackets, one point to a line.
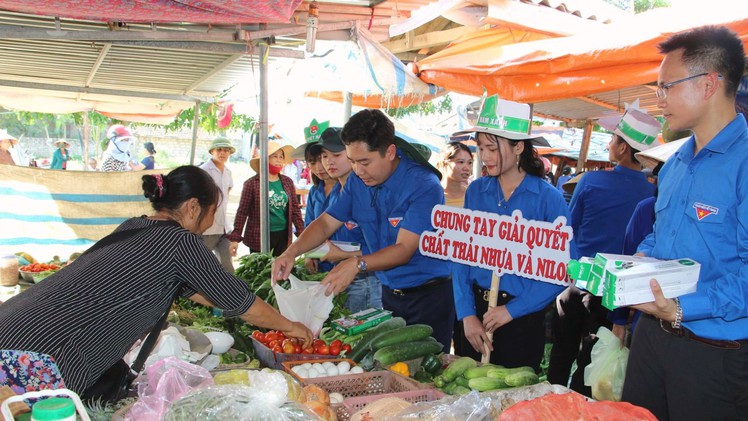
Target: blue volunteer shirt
[538, 200]
[701, 213]
[601, 206]
[403, 201]
[316, 204]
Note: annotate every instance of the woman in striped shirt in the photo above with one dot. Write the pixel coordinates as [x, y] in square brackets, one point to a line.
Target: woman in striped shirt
[87, 315]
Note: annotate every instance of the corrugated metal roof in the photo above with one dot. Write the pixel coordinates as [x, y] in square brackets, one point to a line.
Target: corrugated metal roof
[599, 105]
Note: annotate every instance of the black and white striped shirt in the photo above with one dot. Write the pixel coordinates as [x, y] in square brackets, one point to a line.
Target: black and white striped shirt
[90, 313]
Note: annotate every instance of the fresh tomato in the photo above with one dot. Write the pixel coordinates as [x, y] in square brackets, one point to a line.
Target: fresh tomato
[336, 342]
[335, 349]
[323, 350]
[274, 343]
[281, 336]
[297, 349]
[288, 347]
[259, 336]
[271, 336]
[308, 350]
[318, 342]
[346, 348]
[276, 348]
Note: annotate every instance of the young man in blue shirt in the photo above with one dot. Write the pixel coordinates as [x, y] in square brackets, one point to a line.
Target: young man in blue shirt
[600, 207]
[689, 356]
[390, 196]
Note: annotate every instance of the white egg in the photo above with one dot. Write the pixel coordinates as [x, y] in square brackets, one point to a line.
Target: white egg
[307, 365]
[302, 372]
[327, 364]
[344, 367]
[356, 370]
[296, 369]
[332, 370]
[312, 374]
[318, 367]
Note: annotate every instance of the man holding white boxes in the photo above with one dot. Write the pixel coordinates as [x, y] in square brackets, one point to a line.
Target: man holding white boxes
[689, 356]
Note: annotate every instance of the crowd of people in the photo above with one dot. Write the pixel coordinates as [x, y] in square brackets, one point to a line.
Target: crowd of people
[689, 355]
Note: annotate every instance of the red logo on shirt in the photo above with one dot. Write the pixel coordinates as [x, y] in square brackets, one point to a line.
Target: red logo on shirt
[395, 221]
[351, 225]
[702, 210]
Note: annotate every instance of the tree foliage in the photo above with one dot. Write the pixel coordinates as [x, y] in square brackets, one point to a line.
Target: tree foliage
[435, 106]
[208, 120]
[639, 5]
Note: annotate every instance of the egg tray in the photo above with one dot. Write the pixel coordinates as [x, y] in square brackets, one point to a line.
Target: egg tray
[288, 365]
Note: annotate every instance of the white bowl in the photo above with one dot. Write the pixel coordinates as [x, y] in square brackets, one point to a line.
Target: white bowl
[221, 341]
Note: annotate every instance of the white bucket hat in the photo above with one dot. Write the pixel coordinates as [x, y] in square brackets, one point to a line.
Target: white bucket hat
[635, 126]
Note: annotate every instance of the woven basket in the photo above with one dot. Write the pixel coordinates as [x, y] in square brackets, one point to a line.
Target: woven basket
[352, 405]
[371, 383]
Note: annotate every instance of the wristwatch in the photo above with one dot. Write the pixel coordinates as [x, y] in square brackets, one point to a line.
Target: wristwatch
[361, 264]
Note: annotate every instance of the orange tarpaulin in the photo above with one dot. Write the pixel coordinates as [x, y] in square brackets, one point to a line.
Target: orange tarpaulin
[620, 55]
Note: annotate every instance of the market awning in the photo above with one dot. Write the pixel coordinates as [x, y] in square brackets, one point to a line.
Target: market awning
[194, 11]
[367, 70]
[620, 55]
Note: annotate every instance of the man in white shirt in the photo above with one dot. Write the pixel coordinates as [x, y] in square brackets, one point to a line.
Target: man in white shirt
[216, 237]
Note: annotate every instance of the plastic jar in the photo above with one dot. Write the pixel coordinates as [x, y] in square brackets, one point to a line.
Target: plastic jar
[8, 271]
[54, 409]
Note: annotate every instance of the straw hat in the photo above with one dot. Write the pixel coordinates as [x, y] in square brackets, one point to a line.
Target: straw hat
[4, 135]
[58, 141]
[570, 185]
[507, 119]
[651, 157]
[635, 126]
[273, 147]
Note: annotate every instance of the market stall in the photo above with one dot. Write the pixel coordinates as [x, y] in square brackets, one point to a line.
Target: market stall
[365, 366]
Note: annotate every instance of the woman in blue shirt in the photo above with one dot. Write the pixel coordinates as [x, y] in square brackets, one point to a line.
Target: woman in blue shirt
[149, 162]
[318, 198]
[514, 181]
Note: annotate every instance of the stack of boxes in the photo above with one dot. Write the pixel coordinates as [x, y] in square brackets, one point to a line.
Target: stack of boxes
[624, 280]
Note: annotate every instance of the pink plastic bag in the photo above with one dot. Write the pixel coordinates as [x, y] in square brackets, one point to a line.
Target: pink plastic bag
[169, 379]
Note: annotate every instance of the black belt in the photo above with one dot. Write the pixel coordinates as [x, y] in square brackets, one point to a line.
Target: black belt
[502, 299]
[426, 285]
[685, 333]
[363, 275]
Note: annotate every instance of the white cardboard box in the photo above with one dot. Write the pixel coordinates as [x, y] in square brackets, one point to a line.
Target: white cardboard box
[628, 283]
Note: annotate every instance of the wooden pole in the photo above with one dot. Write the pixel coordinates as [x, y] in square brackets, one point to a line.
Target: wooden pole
[493, 298]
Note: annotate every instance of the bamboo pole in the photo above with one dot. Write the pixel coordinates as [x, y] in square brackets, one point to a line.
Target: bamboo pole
[493, 298]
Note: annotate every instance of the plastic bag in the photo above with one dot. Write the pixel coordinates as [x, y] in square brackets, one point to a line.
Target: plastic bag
[236, 403]
[469, 407]
[607, 369]
[305, 302]
[168, 380]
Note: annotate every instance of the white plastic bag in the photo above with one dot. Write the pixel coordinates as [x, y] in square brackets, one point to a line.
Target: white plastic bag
[305, 302]
[607, 370]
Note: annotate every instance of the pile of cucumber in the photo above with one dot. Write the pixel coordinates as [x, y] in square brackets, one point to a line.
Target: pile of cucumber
[392, 341]
[464, 375]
